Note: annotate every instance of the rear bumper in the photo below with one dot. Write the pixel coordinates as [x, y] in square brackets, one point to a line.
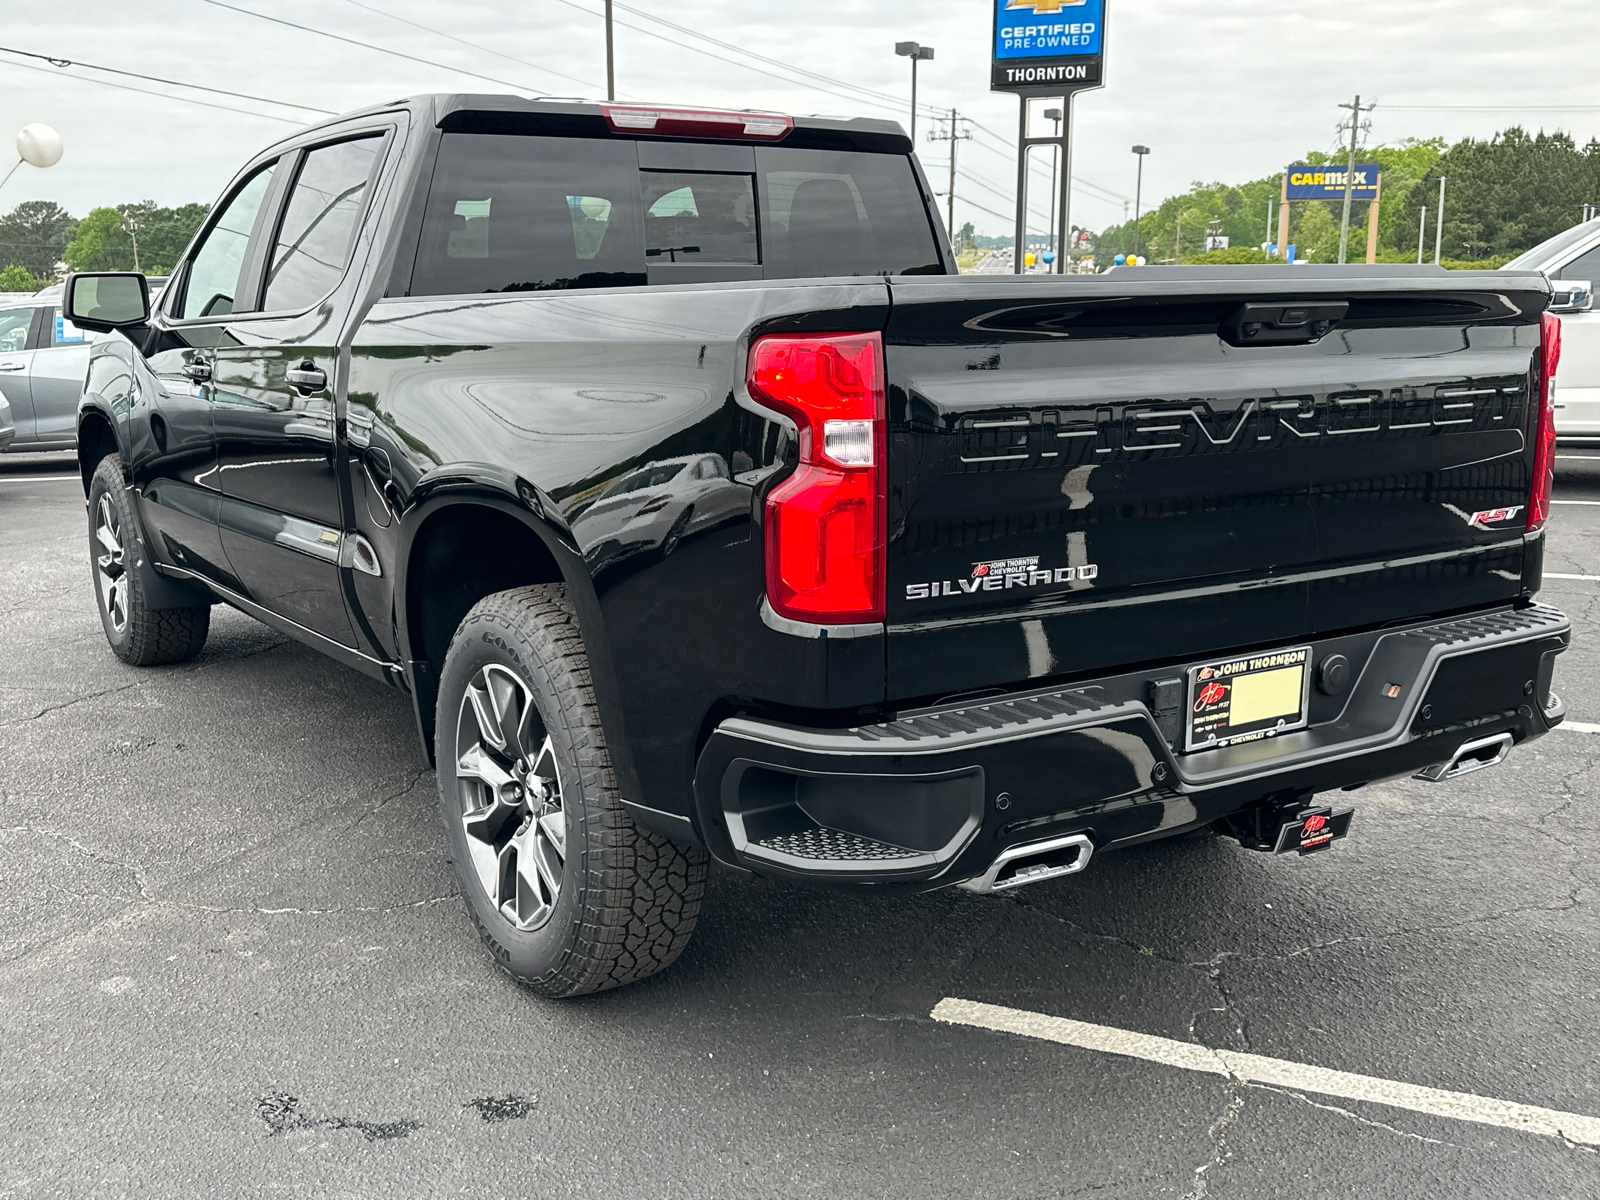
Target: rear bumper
[936, 796]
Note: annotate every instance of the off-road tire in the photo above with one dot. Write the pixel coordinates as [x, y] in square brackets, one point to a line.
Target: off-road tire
[149, 637]
[629, 898]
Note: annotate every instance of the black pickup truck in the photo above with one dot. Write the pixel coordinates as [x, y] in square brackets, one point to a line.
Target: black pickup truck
[703, 511]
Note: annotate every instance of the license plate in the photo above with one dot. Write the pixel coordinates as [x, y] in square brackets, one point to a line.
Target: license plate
[1248, 698]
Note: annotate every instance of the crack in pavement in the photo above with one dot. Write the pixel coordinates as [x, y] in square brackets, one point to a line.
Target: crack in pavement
[133, 869]
[1218, 1133]
[1356, 1117]
[68, 704]
[411, 786]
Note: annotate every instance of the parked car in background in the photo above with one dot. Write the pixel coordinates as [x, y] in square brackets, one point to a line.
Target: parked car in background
[43, 361]
[1571, 260]
[657, 506]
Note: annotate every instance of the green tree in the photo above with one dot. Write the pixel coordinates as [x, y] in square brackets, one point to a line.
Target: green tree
[100, 243]
[17, 279]
[1504, 195]
[105, 238]
[33, 234]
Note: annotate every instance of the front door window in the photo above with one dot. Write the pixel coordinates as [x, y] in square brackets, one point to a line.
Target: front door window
[214, 273]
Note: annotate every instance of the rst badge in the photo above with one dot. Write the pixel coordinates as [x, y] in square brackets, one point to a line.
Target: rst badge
[1003, 574]
[1494, 516]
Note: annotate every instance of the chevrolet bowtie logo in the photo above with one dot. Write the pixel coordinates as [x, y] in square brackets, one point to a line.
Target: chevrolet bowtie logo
[1045, 6]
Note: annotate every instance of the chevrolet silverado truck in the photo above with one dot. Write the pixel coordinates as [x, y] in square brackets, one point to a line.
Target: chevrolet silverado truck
[703, 511]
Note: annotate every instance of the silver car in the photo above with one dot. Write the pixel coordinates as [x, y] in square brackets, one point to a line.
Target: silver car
[43, 360]
[1571, 260]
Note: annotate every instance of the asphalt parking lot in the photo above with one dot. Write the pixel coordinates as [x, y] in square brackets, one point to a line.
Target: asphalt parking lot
[232, 963]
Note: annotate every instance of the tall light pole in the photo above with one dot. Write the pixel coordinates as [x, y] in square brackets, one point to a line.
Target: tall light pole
[1422, 230]
[1438, 224]
[1053, 114]
[1138, 197]
[916, 53]
[611, 62]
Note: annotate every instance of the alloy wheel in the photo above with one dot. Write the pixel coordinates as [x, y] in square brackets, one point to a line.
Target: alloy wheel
[510, 797]
[110, 571]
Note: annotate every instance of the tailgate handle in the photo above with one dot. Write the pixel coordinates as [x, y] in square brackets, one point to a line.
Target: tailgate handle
[1257, 324]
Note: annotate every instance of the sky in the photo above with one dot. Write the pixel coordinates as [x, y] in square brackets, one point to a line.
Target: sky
[1218, 89]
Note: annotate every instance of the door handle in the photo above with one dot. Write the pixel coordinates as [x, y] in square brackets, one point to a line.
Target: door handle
[200, 372]
[306, 379]
[13, 366]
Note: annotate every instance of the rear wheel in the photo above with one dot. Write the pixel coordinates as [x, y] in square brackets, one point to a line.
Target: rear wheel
[569, 895]
[139, 634]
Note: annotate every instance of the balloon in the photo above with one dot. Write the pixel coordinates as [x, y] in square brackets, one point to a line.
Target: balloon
[1121, 260]
[1027, 259]
[1049, 256]
[39, 145]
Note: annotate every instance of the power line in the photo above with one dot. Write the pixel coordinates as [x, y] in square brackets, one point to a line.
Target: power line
[339, 37]
[485, 49]
[1491, 108]
[720, 58]
[883, 98]
[63, 63]
[123, 87]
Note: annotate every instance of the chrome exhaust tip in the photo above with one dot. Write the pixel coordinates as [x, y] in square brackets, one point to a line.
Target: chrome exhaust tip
[1472, 756]
[1033, 863]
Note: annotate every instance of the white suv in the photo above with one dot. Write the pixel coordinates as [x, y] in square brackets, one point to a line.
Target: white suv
[1571, 260]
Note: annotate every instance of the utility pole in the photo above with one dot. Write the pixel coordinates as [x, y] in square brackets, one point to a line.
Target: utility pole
[1138, 197]
[1350, 172]
[611, 62]
[1438, 224]
[1422, 229]
[953, 134]
[916, 53]
[1269, 219]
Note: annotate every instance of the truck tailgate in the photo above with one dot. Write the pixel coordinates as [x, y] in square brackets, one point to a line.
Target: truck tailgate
[1084, 473]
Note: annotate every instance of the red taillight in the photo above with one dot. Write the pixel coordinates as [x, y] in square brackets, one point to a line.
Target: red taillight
[826, 523]
[697, 122]
[1544, 432]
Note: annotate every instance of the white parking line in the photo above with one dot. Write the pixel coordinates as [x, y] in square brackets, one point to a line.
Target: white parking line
[1579, 457]
[1579, 727]
[1277, 1072]
[36, 478]
[1575, 502]
[1553, 575]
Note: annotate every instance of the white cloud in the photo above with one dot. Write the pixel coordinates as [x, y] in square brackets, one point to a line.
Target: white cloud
[1220, 89]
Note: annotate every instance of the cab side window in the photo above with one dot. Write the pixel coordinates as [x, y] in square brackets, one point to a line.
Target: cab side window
[214, 272]
[14, 324]
[319, 223]
[1585, 267]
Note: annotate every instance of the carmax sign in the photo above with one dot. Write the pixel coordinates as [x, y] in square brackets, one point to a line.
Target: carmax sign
[1327, 183]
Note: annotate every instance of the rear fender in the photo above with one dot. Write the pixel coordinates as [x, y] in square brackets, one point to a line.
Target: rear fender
[504, 491]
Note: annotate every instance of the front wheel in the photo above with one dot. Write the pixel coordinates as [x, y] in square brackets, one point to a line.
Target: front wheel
[569, 895]
[139, 635]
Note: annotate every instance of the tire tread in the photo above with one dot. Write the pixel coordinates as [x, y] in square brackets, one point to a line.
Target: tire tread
[643, 891]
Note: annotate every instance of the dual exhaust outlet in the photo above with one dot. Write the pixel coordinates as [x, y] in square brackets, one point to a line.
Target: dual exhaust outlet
[1037, 862]
[1034, 863]
[1471, 756]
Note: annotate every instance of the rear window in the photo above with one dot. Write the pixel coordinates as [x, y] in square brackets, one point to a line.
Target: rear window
[512, 212]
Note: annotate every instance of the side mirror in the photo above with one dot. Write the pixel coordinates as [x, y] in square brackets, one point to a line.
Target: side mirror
[103, 302]
[1571, 296]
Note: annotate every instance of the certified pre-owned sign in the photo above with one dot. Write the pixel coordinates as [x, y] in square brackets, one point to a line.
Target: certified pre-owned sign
[1048, 47]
